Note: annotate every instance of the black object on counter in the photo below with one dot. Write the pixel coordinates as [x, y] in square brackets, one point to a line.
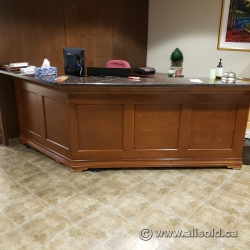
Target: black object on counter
[246, 152]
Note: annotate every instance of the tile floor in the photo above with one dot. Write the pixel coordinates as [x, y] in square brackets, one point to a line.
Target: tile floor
[45, 206]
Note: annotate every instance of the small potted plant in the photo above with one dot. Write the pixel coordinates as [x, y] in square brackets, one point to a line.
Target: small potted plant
[177, 59]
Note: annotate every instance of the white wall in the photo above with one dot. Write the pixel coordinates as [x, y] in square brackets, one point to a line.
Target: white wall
[193, 27]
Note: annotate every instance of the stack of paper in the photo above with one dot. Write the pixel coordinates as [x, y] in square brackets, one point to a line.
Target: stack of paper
[18, 65]
[28, 70]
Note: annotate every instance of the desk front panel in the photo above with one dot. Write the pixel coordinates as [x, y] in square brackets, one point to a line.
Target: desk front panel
[145, 129]
[153, 126]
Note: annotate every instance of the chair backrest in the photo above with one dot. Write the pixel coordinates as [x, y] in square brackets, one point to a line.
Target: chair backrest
[117, 64]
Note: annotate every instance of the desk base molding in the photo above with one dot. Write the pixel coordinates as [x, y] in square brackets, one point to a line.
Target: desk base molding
[81, 165]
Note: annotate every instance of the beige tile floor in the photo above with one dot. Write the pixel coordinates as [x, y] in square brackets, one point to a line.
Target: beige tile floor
[45, 206]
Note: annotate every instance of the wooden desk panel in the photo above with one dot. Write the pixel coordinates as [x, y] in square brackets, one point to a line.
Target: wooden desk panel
[123, 127]
[8, 112]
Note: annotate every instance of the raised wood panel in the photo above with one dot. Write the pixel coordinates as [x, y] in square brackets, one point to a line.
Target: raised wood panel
[73, 23]
[8, 111]
[55, 48]
[35, 27]
[56, 126]
[156, 126]
[4, 41]
[29, 111]
[99, 127]
[9, 19]
[49, 109]
[29, 31]
[12, 125]
[221, 121]
[31, 43]
[52, 5]
[248, 120]
[55, 22]
[2, 130]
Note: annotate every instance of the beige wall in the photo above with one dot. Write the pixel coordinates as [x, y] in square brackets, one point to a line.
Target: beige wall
[193, 27]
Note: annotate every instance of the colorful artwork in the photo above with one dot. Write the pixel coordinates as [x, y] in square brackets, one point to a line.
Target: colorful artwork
[235, 25]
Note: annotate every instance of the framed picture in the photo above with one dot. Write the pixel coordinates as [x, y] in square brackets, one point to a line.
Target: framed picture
[235, 25]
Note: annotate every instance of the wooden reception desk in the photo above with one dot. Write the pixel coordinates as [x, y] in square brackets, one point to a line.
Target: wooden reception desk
[109, 122]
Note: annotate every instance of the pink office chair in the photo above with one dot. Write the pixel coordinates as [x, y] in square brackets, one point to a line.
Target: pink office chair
[117, 64]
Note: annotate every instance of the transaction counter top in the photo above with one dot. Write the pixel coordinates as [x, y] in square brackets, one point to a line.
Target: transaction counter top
[103, 122]
[157, 81]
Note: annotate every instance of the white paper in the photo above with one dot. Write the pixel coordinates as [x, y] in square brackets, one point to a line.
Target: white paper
[195, 80]
[28, 70]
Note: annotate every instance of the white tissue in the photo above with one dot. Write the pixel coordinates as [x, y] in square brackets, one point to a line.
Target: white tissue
[46, 63]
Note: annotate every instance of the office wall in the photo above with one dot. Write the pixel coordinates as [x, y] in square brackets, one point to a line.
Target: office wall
[107, 29]
[193, 27]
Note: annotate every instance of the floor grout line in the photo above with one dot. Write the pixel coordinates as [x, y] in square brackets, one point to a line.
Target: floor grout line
[104, 186]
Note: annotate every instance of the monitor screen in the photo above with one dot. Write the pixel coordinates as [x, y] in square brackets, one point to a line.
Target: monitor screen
[101, 71]
[74, 61]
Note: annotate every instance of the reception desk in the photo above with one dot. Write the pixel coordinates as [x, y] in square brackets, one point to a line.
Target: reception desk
[111, 122]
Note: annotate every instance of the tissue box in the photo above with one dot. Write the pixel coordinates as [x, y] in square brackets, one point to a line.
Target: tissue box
[46, 71]
[49, 78]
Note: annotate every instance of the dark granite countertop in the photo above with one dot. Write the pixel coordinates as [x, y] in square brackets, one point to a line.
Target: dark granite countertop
[155, 80]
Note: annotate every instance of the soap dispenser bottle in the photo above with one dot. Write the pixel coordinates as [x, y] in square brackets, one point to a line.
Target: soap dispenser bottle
[219, 70]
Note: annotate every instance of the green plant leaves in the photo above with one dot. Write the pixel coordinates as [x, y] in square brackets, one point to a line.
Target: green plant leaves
[176, 56]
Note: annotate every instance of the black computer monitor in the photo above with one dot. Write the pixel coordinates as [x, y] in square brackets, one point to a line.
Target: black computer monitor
[103, 71]
[74, 61]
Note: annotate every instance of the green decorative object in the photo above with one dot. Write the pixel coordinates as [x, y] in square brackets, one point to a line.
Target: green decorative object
[176, 56]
